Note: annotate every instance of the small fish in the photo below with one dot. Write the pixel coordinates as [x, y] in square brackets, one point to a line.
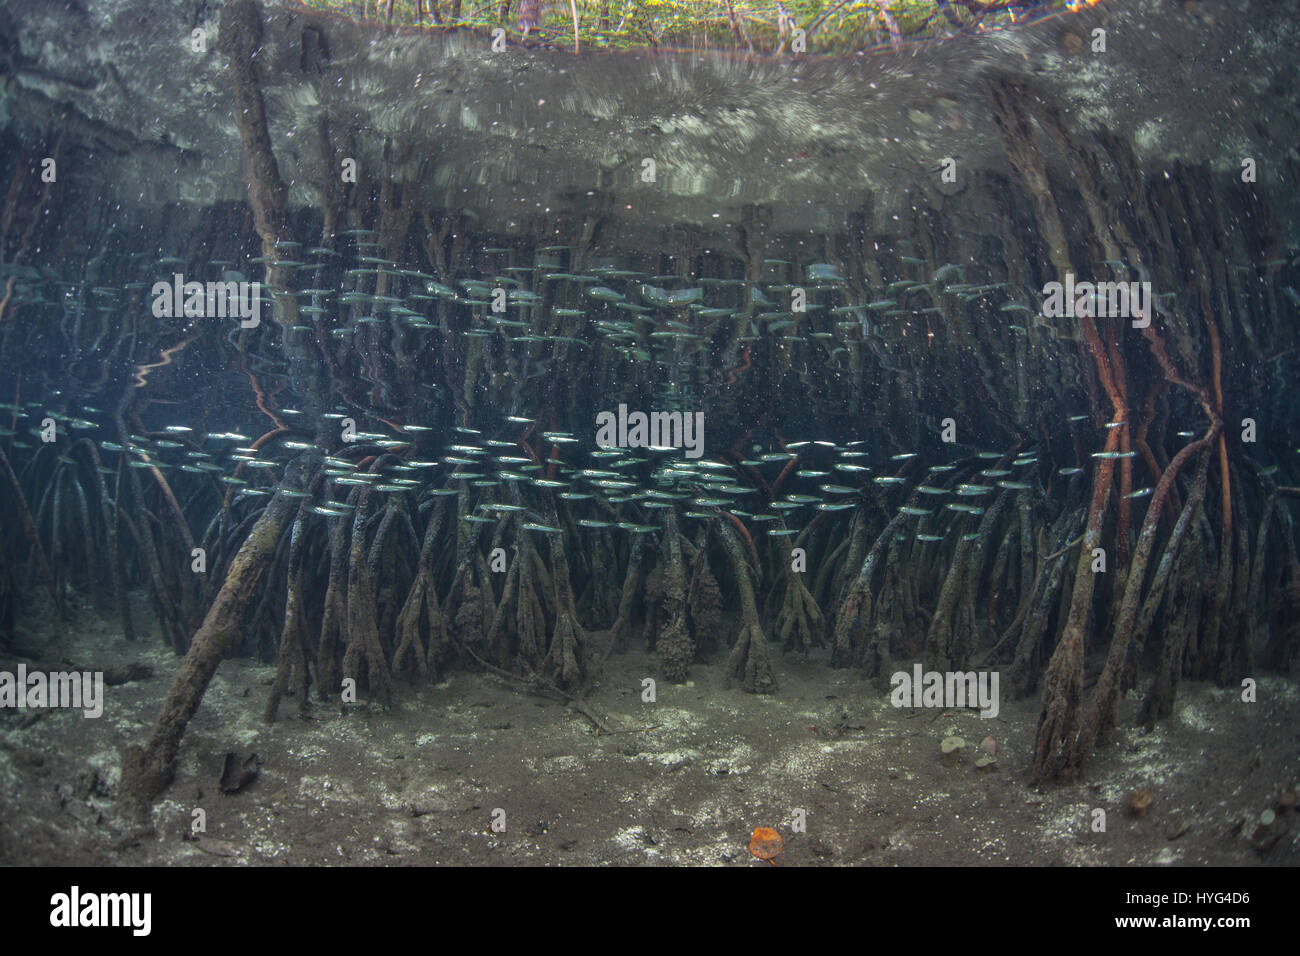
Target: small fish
[1140, 493]
[823, 272]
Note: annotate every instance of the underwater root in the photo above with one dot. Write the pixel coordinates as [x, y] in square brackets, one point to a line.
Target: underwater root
[566, 658]
[147, 771]
[748, 663]
[422, 636]
[799, 623]
[852, 644]
[364, 654]
[294, 640]
[673, 642]
[1063, 683]
[29, 529]
[1100, 715]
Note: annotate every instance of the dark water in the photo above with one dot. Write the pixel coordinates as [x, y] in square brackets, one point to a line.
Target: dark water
[1023, 417]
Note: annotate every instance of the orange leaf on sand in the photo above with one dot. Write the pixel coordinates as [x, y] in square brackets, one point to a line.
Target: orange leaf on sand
[765, 844]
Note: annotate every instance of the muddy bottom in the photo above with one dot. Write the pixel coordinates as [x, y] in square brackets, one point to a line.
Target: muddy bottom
[475, 770]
